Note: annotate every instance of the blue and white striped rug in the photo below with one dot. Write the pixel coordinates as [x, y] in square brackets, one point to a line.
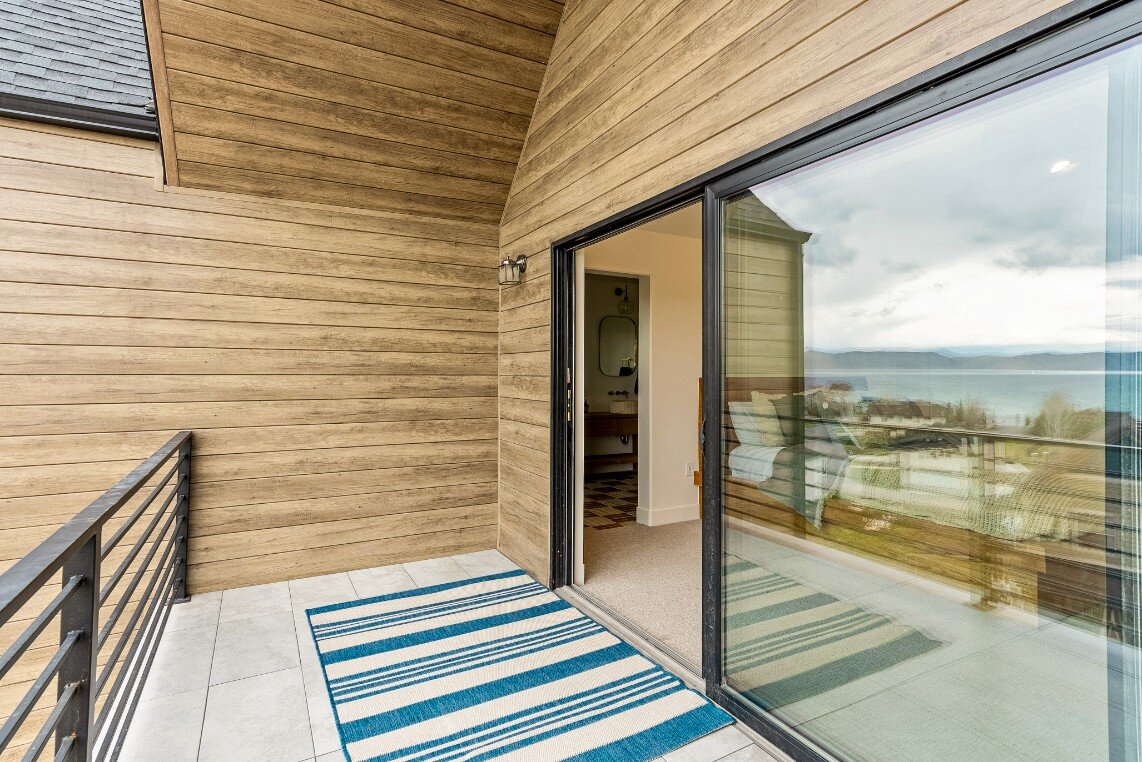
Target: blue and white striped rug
[496, 667]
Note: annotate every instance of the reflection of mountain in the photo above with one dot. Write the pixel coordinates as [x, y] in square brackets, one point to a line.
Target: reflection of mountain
[889, 360]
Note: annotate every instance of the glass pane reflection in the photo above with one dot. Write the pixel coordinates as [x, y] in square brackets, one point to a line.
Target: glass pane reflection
[932, 431]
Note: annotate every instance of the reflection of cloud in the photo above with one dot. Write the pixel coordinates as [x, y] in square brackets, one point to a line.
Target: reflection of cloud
[972, 304]
[955, 233]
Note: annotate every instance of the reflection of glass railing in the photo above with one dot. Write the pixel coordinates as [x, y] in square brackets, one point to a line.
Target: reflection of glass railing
[1008, 486]
[854, 423]
[1042, 511]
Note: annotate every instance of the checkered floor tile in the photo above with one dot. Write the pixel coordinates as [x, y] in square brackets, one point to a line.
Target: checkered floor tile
[610, 501]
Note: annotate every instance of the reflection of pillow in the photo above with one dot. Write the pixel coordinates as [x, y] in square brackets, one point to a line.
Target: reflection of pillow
[768, 421]
[746, 424]
[786, 406]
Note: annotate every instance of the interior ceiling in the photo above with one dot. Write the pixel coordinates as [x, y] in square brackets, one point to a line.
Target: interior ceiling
[686, 222]
[398, 105]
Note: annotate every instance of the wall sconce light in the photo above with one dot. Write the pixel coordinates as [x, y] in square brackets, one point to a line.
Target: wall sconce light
[510, 271]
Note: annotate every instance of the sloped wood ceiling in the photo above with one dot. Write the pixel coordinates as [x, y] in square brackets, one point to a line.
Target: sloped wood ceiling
[417, 106]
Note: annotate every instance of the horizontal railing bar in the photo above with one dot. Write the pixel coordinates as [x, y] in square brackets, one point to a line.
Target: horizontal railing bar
[105, 593]
[31, 572]
[152, 629]
[130, 522]
[113, 740]
[49, 728]
[36, 627]
[994, 435]
[20, 713]
[65, 748]
[106, 630]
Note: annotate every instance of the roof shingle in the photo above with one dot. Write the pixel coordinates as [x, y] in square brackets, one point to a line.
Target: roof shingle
[78, 52]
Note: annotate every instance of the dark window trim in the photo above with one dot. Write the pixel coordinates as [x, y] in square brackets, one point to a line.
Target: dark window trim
[45, 111]
[1075, 30]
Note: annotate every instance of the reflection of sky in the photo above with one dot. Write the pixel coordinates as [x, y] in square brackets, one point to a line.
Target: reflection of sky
[956, 233]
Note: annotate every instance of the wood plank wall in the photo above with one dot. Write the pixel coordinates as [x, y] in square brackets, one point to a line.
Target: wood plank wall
[337, 366]
[396, 105]
[640, 96]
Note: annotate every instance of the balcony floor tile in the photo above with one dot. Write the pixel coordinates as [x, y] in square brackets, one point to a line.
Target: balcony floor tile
[258, 600]
[258, 718]
[249, 647]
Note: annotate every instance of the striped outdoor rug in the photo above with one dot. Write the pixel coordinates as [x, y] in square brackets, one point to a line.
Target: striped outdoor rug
[496, 667]
[786, 641]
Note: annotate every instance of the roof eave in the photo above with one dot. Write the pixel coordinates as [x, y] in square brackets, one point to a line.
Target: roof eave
[145, 126]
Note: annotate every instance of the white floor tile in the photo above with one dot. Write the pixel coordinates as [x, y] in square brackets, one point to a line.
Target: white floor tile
[710, 748]
[484, 562]
[259, 600]
[200, 611]
[435, 571]
[312, 592]
[249, 647]
[828, 577]
[756, 550]
[310, 667]
[182, 662]
[381, 580]
[1014, 708]
[890, 728]
[335, 756]
[322, 725]
[166, 729]
[751, 753]
[258, 719]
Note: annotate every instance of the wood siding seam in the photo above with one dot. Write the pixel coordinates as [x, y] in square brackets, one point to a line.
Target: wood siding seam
[344, 403]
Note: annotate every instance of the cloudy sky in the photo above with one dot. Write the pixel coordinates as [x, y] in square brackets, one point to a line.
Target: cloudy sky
[983, 231]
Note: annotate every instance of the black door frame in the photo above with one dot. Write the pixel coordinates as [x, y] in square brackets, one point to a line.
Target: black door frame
[1071, 32]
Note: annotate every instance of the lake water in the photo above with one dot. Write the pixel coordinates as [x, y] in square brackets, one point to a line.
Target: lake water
[1010, 396]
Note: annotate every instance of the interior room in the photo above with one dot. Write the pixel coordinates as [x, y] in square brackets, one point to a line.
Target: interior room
[640, 322]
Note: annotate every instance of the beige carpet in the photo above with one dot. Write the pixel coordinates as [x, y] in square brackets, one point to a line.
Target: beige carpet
[651, 577]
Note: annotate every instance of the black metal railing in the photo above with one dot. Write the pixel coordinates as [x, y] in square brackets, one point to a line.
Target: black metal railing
[109, 623]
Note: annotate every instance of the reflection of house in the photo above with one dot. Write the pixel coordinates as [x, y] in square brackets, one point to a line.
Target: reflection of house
[907, 411]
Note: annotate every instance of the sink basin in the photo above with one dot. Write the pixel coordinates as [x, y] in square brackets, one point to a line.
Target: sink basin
[626, 407]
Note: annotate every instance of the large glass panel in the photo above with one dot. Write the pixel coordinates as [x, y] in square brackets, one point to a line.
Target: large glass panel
[932, 428]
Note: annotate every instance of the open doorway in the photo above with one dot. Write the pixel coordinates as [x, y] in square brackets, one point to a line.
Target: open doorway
[638, 361]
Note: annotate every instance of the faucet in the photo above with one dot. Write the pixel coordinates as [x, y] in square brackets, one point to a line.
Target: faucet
[619, 393]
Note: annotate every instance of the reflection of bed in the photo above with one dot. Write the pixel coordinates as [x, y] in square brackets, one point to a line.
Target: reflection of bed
[988, 495]
[796, 464]
[968, 489]
[961, 515]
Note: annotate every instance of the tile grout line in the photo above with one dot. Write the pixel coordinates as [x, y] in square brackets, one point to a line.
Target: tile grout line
[209, 674]
[301, 669]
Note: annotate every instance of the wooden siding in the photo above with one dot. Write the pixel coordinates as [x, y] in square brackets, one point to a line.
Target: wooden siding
[641, 96]
[337, 366]
[396, 105]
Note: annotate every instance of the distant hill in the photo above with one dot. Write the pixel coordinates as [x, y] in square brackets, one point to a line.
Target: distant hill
[816, 361]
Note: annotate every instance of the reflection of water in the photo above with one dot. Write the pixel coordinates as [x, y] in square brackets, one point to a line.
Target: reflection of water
[1011, 396]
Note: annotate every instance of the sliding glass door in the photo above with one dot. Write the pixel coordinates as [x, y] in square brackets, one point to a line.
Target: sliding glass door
[930, 427]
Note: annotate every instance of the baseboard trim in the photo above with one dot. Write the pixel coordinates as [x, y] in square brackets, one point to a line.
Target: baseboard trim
[654, 517]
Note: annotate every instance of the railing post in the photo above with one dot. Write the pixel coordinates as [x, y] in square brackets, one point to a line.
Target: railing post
[182, 526]
[80, 613]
